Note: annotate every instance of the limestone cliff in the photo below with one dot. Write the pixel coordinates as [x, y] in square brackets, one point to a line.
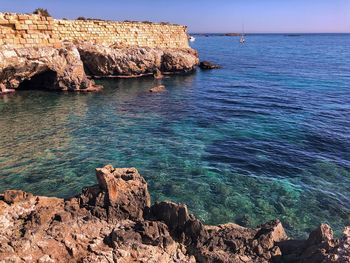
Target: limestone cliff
[43, 68]
[64, 68]
[115, 222]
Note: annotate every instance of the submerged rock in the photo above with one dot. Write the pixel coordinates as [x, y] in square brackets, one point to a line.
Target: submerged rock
[114, 221]
[208, 65]
[157, 89]
[101, 61]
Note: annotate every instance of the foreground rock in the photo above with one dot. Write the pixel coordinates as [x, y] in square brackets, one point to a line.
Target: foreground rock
[101, 61]
[114, 222]
[43, 68]
[208, 65]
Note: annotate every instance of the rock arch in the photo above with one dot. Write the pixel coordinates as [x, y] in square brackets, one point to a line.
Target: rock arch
[46, 80]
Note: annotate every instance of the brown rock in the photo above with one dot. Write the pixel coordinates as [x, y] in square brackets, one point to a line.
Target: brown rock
[44, 68]
[154, 233]
[173, 215]
[101, 61]
[112, 222]
[208, 65]
[14, 196]
[271, 233]
[157, 89]
[127, 193]
[323, 233]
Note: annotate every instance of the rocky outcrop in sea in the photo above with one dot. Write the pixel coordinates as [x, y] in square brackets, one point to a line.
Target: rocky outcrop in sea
[71, 67]
[101, 61]
[114, 221]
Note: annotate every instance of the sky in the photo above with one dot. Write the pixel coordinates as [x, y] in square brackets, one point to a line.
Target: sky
[204, 16]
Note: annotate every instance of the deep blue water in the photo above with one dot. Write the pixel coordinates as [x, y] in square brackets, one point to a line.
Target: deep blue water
[267, 136]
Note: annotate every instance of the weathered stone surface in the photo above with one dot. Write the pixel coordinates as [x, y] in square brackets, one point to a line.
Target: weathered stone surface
[114, 222]
[208, 65]
[101, 61]
[126, 189]
[13, 196]
[323, 233]
[24, 30]
[43, 68]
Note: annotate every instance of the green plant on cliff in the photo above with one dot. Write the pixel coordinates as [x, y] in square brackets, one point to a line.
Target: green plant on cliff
[42, 12]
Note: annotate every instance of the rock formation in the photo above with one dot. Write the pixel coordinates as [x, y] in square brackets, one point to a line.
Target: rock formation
[66, 68]
[115, 222]
[208, 65]
[101, 61]
[43, 68]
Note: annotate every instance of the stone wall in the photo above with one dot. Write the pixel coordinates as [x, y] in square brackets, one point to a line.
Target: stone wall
[21, 30]
[27, 30]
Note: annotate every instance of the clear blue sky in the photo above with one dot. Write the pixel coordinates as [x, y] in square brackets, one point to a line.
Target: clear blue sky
[205, 15]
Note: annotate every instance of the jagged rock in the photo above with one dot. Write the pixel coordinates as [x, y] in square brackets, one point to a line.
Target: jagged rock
[157, 89]
[121, 194]
[13, 196]
[114, 222]
[319, 247]
[271, 233]
[101, 61]
[321, 234]
[174, 215]
[208, 65]
[43, 68]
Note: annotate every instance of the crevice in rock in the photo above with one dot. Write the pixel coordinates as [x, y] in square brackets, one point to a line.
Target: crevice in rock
[42, 81]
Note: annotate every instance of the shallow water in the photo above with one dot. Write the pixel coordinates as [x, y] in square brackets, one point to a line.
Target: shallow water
[267, 136]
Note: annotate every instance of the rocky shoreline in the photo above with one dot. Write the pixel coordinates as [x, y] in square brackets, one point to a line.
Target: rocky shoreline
[71, 66]
[114, 221]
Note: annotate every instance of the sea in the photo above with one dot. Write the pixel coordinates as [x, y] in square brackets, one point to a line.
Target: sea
[265, 137]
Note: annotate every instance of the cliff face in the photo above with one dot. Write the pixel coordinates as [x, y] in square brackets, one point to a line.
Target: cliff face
[38, 52]
[115, 222]
[64, 68]
[100, 61]
[43, 68]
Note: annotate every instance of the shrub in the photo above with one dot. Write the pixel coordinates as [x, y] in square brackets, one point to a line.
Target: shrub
[81, 18]
[42, 12]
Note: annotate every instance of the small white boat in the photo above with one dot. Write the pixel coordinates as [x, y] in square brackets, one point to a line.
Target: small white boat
[192, 39]
[242, 39]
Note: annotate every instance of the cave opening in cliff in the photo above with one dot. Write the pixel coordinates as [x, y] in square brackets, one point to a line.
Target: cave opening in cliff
[42, 81]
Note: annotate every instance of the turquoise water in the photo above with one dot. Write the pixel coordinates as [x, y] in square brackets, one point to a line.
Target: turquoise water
[267, 136]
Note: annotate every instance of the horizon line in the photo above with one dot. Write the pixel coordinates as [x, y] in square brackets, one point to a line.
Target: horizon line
[277, 33]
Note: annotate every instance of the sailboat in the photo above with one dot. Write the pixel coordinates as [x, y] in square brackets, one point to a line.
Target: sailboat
[242, 38]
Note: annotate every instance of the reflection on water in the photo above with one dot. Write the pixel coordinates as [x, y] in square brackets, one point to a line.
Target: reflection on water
[256, 140]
